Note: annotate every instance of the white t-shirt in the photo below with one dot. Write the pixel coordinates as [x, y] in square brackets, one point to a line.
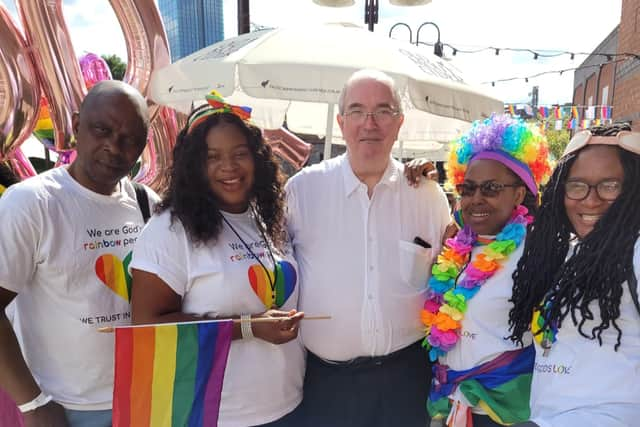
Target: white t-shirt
[64, 251]
[262, 381]
[358, 262]
[486, 322]
[580, 383]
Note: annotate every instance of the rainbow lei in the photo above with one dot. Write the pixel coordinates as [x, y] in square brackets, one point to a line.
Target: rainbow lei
[447, 301]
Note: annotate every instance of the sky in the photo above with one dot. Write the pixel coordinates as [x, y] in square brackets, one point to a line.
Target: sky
[541, 25]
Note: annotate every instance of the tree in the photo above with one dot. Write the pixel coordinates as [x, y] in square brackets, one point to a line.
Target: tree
[116, 65]
[558, 140]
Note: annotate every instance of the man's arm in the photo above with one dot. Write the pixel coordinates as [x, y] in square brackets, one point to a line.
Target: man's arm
[18, 214]
[15, 377]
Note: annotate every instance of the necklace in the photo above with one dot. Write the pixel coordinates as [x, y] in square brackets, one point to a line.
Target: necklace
[544, 332]
[447, 300]
[273, 278]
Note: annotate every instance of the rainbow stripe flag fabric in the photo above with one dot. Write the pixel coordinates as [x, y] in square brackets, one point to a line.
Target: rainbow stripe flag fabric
[501, 387]
[170, 374]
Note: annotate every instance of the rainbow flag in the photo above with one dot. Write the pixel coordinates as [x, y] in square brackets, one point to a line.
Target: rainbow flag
[512, 109]
[557, 112]
[544, 112]
[500, 387]
[170, 374]
[574, 112]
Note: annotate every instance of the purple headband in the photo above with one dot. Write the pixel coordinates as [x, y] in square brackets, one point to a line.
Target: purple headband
[512, 163]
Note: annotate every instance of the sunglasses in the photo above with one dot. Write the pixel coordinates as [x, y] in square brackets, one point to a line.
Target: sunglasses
[629, 141]
[487, 188]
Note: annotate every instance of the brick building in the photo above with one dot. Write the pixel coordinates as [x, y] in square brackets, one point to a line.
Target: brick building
[615, 84]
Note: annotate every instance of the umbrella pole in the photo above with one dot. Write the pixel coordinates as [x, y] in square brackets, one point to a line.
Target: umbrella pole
[328, 136]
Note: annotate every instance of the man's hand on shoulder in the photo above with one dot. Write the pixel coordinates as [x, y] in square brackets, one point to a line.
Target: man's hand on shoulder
[50, 415]
[417, 168]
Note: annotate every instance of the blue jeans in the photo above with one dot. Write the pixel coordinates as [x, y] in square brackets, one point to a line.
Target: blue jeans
[88, 418]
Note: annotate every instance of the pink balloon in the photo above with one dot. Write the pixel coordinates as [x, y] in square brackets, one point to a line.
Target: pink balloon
[57, 67]
[19, 87]
[66, 157]
[146, 41]
[157, 156]
[21, 165]
[94, 69]
[288, 146]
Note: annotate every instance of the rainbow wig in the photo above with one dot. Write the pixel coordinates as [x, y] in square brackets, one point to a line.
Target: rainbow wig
[508, 140]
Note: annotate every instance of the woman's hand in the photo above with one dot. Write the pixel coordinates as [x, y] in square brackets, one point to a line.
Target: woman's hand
[279, 331]
[417, 168]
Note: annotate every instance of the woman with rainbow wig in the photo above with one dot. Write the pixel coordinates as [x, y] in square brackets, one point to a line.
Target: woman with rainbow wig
[480, 378]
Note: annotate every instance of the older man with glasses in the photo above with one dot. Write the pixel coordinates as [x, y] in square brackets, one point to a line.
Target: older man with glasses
[365, 240]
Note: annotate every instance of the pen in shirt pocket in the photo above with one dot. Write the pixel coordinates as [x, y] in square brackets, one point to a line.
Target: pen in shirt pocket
[421, 242]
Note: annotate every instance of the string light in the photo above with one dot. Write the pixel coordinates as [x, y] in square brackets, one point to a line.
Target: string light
[526, 78]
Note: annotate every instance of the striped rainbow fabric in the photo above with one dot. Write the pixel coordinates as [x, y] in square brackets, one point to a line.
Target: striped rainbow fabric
[500, 387]
[170, 374]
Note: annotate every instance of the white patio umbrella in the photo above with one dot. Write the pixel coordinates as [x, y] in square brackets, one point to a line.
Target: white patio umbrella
[285, 71]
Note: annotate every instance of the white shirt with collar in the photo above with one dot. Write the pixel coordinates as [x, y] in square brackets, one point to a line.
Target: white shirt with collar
[357, 259]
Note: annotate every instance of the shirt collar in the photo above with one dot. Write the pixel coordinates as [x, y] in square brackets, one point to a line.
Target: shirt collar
[351, 181]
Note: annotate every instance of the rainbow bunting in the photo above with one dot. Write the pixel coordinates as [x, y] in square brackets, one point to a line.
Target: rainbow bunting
[544, 112]
[557, 112]
[574, 112]
[170, 375]
[606, 112]
[512, 109]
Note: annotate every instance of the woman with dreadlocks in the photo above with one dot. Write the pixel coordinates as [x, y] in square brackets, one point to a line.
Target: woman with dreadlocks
[579, 273]
[480, 378]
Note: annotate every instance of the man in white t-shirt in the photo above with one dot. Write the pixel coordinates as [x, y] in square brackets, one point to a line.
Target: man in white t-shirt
[364, 240]
[66, 244]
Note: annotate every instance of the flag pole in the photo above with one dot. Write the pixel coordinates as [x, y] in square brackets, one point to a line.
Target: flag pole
[110, 329]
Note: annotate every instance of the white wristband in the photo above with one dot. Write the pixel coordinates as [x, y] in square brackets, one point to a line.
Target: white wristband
[40, 400]
[245, 326]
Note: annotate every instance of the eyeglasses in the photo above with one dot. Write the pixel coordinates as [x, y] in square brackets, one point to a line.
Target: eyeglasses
[487, 188]
[607, 190]
[382, 116]
[629, 141]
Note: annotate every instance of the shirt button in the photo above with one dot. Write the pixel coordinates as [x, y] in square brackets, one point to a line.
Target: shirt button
[371, 268]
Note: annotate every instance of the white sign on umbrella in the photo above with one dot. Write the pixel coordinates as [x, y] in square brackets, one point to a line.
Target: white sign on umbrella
[277, 71]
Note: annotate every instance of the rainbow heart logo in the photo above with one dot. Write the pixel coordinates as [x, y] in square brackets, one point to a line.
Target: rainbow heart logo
[114, 273]
[286, 280]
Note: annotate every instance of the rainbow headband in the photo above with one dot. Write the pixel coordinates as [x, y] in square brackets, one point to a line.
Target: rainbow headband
[508, 140]
[217, 105]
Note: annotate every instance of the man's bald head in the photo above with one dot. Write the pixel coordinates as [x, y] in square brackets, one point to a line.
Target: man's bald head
[111, 132]
[114, 89]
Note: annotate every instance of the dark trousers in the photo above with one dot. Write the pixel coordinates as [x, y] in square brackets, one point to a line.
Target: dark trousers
[484, 421]
[292, 419]
[369, 392]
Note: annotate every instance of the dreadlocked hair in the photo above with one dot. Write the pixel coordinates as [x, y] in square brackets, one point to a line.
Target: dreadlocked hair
[189, 196]
[601, 263]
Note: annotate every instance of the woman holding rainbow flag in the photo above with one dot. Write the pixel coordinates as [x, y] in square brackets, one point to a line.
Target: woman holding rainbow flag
[217, 249]
[480, 378]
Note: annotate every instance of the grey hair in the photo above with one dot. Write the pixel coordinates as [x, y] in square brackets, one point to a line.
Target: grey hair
[370, 74]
